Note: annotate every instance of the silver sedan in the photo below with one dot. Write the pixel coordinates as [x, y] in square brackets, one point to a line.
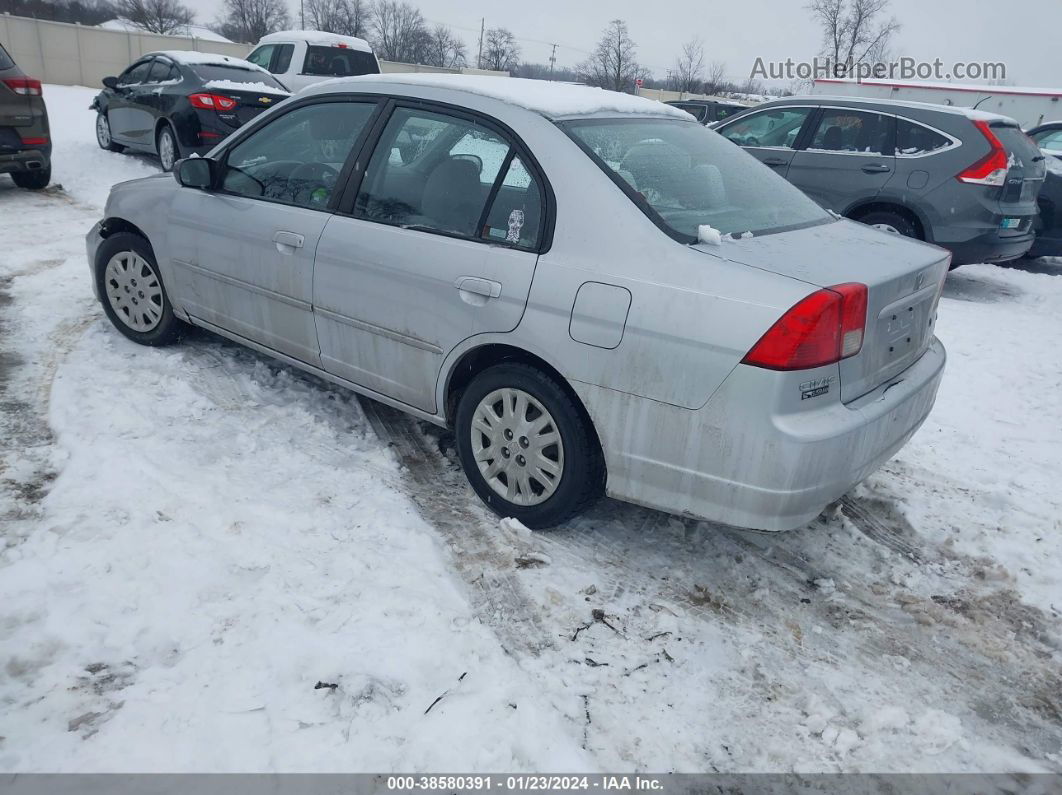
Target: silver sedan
[597, 293]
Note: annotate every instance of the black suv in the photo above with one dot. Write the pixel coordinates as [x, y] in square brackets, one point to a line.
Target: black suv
[25, 140]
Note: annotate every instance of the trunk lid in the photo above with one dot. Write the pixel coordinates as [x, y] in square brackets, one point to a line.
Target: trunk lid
[249, 103]
[903, 279]
[1025, 178]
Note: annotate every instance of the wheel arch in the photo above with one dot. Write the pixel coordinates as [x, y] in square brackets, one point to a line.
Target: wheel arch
[478, 358]
[861, 208]
[115, 225]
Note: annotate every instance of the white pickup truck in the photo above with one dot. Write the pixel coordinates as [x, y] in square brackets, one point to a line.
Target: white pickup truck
[298, 58]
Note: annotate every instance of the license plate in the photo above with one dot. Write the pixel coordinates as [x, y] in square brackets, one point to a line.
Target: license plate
[1010, 223]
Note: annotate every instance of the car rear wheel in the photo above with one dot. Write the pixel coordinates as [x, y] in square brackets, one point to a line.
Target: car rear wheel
[167, 148]
[888, 221]
[33, 180]
[103, 133]
[131, 290]
[527, 450]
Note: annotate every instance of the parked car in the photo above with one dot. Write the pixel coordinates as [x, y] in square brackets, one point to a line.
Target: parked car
[594, 290]
[1049, 223]
[25, 139]
[299, 58]
[180, 103]
[959, 178]
[708, 111]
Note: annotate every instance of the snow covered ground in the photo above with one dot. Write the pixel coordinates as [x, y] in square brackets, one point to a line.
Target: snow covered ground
[209, 561]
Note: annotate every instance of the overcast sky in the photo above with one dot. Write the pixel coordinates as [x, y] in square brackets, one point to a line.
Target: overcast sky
[1024, 35]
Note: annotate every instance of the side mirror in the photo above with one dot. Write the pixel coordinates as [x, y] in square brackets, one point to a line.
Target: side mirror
[195, 172]
[110, 82]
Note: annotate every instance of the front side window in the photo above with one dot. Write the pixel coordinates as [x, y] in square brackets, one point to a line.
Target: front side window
[777, 128]
[852, 131]
[432, 171]
[338, 62]
[262, 56]
[161, 71]
[913, 139]
[137, 73]
[684, 175]
[296, 159]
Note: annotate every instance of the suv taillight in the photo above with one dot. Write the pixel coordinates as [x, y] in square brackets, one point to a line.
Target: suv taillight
[26, 86]
[992, 168]
[822, 328]
[212, 102]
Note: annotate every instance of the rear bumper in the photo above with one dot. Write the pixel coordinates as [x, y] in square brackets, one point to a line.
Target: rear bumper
[990, 247]
[25, 160]
[742, 460]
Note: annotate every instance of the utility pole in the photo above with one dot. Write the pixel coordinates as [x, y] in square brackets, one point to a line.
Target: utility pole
[552, 60]
[482, 25]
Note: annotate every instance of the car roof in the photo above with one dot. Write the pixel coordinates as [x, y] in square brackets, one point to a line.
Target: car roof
[885, 104]
[318, 37]
[195, 58]
[549, 99]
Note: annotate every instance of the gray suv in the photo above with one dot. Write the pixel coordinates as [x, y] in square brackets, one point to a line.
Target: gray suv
[25, 142]
[959, 178]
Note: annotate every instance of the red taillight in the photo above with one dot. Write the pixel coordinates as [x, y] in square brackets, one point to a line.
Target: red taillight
[992, 168]
[212, 102]
[38, 140]
[26, 86]
[823, 328]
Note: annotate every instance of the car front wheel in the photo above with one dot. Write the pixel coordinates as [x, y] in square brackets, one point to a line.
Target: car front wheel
[103, 133]
[526, 448]
[131, 289]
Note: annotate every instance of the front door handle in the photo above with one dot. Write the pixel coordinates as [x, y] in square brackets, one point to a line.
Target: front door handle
[287, 242]
[474, 284]
[876, 168]
[775, 161]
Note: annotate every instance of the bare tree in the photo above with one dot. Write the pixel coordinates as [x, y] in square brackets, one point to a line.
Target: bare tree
[613, 63]
[156, 16]
[854, 31]
[444, 48]
[355, 18]
[716, 82]
[346, 17]
[689, 67]
[500, 50]
[250, 20]
[399, 31]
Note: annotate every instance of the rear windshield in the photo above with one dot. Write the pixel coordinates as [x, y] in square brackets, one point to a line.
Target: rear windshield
[234, 74]
[1022, 147]
[5, 59]
[684, 175]
[339, 62]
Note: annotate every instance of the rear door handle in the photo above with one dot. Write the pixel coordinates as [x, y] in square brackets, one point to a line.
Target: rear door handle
[474, 284]
[287, 242]
[876, 168]
[775, 161]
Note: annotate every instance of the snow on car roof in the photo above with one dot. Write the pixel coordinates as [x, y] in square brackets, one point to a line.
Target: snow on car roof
[970, 113]
[318, 37]
[195, 58]
[553, 100]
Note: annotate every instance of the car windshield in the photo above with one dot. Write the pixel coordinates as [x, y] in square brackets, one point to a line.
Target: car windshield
[5, 59]
[236, 74]
[684, 175]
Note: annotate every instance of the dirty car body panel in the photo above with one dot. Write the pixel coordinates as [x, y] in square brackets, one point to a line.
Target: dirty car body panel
[647, 327]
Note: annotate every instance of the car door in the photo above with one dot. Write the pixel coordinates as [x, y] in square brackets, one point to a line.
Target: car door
[439, 242]
[771, 135]
[243, 253]
[122, 111]
[850, 156]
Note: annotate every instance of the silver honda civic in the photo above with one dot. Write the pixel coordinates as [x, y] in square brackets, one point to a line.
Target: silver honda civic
[597, 293]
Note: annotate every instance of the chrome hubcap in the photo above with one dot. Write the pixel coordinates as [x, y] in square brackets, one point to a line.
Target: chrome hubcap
[166, 151]
[887, 228]
[517, 447]
[103, 130]
[134, 291]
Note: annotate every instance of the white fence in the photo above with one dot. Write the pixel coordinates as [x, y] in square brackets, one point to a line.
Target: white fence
[56, 52]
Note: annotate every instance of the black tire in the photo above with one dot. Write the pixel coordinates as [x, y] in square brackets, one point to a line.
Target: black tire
[110, 145]
[166, 132]
[583, 473]
[33, 180]
[897, 221]
[169, 327]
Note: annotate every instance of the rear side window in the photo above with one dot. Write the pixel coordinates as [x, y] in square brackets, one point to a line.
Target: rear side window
[136, 74]
[852, 131]
[161, 71]
[338, 62]
[5, 59]
[776, 128]
[914, 139]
